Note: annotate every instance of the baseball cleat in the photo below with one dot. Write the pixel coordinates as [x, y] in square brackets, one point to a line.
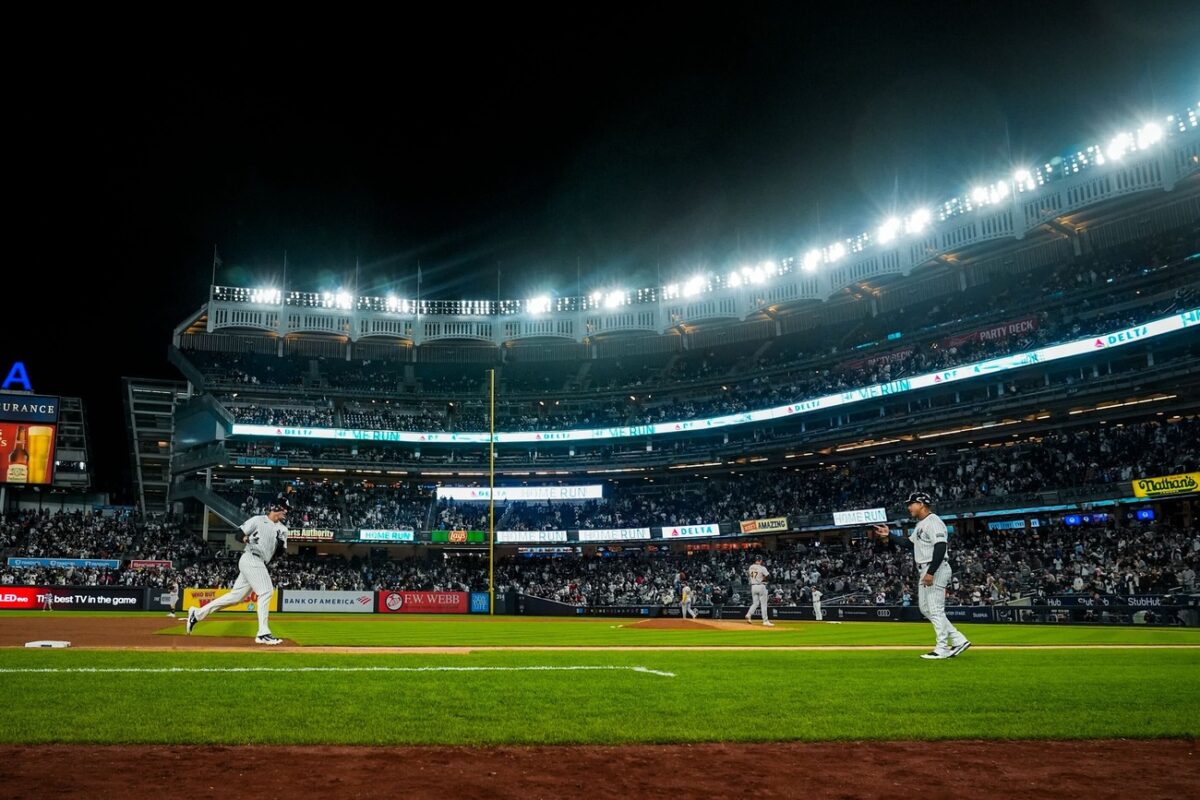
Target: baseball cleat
[768, 624]
[937, 654]
[959, 649]
[749, 621]
[267, 638]
[191, 619]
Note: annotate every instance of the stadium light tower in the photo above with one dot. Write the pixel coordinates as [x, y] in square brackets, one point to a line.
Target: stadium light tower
[1150, 134]
[812, 260]
[888, 230]
[917, 221]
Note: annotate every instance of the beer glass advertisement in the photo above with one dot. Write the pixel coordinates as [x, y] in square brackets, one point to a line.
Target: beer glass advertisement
[26, 453]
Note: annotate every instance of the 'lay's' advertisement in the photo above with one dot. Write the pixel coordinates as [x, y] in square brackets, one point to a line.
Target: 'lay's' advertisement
[202, 597]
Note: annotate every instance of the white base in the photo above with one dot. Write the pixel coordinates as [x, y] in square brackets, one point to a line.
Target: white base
[47, 643]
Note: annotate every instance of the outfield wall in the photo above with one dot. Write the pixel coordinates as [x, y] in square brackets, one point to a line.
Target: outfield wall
[1064, 609]
[1138, 610]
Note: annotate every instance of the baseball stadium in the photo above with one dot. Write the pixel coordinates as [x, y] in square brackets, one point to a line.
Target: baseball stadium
[915, 507]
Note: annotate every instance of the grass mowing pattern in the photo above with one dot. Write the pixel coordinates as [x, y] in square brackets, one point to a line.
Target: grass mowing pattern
[716, 696]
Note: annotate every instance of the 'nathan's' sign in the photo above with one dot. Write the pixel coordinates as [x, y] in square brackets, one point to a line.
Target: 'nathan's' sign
[1167, 485]
[764, 525]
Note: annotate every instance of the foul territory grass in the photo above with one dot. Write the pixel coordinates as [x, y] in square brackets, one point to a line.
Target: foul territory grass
[713, 696]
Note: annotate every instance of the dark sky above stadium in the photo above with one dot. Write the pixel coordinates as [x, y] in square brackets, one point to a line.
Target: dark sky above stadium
[621, 143]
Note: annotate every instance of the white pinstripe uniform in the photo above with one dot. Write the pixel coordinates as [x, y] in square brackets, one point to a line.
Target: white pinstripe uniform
[262, 538]
[932, 599]
[816, 598]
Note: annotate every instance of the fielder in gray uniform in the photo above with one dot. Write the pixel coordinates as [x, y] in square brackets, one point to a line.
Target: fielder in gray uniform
[758, 591]
[929, 541]
[816, 598]
[685, 603]
[262, 535]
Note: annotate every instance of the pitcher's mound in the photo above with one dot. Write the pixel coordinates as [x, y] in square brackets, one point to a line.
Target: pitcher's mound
[692, 625]
[672, 624]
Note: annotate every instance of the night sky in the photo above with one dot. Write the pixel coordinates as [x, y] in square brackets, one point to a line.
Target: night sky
[624, 144]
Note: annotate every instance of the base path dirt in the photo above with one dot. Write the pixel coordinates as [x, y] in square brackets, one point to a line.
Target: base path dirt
[1093, 769]
[131, 633]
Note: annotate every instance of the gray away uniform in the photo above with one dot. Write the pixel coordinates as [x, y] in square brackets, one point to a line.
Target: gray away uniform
[758, 590]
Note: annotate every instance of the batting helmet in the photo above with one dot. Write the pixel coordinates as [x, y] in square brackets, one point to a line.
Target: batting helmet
[919, 497]
[280, 503]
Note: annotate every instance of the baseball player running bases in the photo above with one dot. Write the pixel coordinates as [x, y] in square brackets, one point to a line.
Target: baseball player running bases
[263, 535]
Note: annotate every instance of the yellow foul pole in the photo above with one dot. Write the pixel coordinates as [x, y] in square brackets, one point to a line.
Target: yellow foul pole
[492, 498]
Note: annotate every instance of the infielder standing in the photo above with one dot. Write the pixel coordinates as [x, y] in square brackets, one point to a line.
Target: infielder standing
[816, 596]
[262, 535]
[758, 591]
[685, 603]
[929, 540]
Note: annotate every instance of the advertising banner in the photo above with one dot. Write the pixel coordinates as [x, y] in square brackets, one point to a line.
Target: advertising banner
[480, 602]
[402, 535]
[861, 516]
[159, 598]
[530, 537]
[895, 355]
[27, 454]
[614, 534]
[31, 408]
[201, 597]
[1167, 485]
[423, 602]
[993, 333]
[313, 602]
[764, 525]
[482, 493]
[93, 598]
[65, 563]
[1013, 525]
[311, 535]
[1104, 600]
[149, 564]
[458, 537]
[16, 598]
[681, 531]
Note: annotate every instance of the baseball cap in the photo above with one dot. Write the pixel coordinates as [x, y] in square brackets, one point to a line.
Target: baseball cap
[919, 497]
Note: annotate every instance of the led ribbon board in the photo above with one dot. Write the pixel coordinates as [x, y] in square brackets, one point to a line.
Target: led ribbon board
[995, 366]
[549, 493]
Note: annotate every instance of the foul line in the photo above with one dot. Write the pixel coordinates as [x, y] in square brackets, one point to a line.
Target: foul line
[172, 670]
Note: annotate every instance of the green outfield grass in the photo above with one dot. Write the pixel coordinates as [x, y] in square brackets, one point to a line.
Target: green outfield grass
[712, 696]
[735, 695]
[457, 631]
